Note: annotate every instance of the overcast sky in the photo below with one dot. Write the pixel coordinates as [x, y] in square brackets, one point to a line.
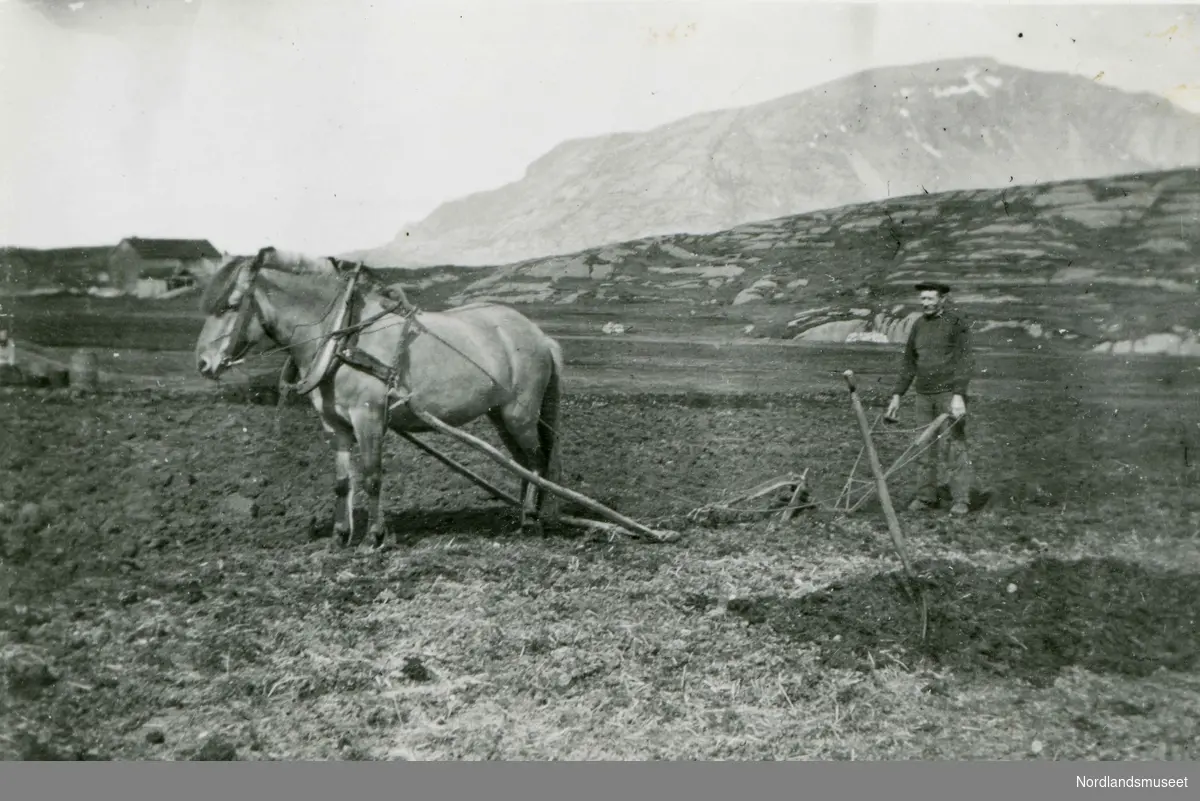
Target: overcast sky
[326, 125]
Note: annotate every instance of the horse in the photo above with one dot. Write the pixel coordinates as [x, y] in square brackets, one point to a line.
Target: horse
[366, 357]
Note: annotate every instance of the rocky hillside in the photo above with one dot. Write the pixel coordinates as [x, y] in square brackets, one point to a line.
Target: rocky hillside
[891, 132]
[1098, 264]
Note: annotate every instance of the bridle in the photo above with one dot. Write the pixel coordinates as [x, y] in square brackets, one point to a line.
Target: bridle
[242, 299]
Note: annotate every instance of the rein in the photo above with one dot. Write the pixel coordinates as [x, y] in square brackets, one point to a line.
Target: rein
[339, 346]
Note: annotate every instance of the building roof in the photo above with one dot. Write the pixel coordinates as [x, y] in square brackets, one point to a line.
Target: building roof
[182, 249]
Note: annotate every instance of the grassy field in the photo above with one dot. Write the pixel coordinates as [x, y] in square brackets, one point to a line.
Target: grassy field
[65, 321]
[169, 592]
[670, 350]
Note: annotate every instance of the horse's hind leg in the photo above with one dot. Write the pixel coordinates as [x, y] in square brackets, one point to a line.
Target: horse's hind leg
[522, 442]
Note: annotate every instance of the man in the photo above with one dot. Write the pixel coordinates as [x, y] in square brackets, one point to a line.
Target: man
[938, 356]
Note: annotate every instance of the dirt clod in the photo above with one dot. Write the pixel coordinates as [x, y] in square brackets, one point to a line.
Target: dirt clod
[239, 506]
[414, 670]
[28, 677]
[30, 516]
[216, 748]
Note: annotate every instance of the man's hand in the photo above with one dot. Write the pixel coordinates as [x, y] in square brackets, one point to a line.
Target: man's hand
[957, 407]
[893, 408]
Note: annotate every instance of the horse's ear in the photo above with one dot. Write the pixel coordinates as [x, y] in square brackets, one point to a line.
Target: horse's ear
[265, 258]
[241, 282]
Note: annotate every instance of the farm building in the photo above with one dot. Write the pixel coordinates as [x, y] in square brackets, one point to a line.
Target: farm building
[136, 266]
[151, 267]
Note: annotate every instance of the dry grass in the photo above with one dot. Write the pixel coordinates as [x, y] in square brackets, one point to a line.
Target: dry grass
[510, 650]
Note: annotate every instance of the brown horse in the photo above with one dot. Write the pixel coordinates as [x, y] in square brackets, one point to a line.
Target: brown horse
[365, 356]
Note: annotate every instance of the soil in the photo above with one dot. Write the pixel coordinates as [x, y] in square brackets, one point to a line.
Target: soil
[1104, 615]
[167, 591]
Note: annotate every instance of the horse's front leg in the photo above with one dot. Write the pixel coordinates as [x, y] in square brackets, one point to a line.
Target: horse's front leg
[343, 489]
[343, 484]
[370, 428]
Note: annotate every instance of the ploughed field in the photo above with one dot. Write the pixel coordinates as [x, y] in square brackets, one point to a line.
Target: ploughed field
[169, 593]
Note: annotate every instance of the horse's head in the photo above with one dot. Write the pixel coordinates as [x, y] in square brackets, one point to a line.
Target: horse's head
[272, 294]
[234, 321]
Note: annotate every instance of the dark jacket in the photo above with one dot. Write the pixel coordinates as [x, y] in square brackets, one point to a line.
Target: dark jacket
[938, 355]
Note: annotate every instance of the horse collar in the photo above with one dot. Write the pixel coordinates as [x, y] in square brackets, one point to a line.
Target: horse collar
[328, 352]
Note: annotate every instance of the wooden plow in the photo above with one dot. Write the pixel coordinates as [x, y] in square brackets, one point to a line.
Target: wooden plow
[754, 503]
[620, 524]
[765, 499]
[847, 502]
[781, 497]
[884, 498]
[778, 499]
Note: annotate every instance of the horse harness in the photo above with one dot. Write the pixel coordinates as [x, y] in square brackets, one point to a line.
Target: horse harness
[344, 338]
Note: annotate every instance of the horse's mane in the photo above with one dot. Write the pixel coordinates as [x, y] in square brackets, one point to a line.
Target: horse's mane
[369, 280]
[222, 283]
[220, 286]
[294, 263]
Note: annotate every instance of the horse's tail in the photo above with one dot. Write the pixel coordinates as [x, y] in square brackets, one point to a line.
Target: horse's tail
[549, 435]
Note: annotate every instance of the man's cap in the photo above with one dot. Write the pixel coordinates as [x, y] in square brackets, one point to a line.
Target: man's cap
[937, 286]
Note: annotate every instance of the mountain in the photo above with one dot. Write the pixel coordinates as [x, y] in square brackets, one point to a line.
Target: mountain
[1101, 263]
[888, 132]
